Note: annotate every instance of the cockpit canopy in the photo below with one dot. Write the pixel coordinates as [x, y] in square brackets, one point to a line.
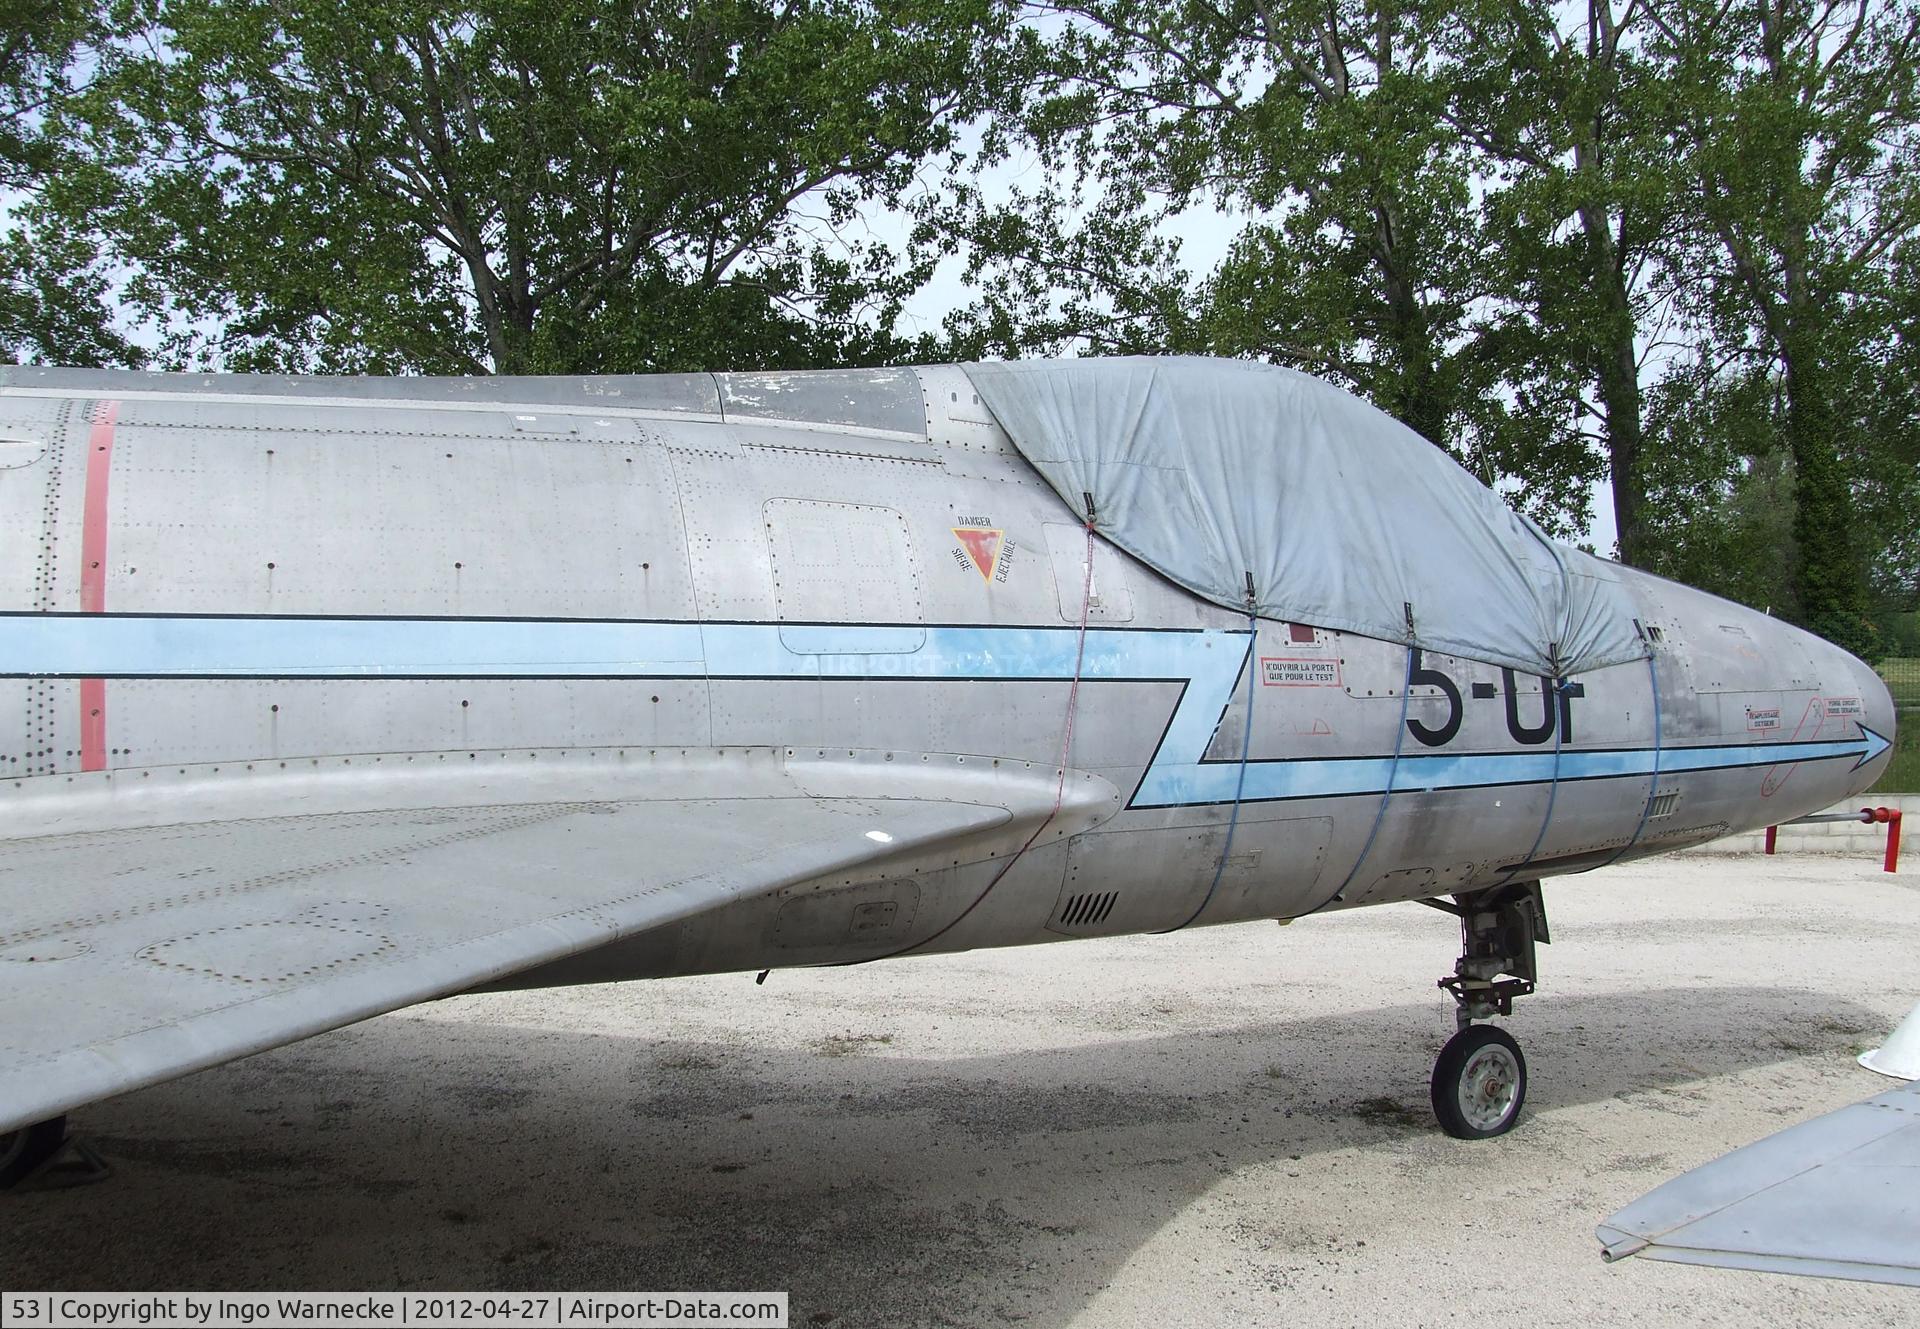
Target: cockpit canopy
[1267, 490]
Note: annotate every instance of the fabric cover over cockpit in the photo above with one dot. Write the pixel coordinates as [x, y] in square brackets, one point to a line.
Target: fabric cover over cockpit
[1224, 475]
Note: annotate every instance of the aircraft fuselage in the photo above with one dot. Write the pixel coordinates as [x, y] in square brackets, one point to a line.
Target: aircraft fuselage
[222, 575]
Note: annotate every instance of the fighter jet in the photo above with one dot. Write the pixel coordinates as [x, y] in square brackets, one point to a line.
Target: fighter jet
[323, 697]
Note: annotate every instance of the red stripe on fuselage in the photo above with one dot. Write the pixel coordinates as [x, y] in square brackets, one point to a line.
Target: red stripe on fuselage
[93, 577]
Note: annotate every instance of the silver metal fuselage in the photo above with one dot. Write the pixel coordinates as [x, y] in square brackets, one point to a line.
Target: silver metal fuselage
[851, 564]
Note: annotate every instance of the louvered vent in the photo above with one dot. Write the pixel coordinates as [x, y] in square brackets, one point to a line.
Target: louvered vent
[1663, 804]
[1085, 911]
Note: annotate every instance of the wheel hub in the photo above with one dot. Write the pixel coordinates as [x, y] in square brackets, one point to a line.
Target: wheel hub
[1488, 1086]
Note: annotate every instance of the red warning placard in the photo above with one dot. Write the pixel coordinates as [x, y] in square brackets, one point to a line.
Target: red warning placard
[982, 545]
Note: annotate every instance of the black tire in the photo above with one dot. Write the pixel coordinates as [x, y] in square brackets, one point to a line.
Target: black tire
[1479, 1083]
[24, 1150]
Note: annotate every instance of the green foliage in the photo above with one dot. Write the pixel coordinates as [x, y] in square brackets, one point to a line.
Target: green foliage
[1370, 154]
[1659, 241]
[1720, 492]
[1372, 268]
[1795, 124]
[521, 187]
[1671, 244]
[1360, 259]
[1902, 672]
[1902, 775]
[1580, 199]
[52, 287]
[54, 297]
[1883, 456]
[39, 40]
[1901, 632]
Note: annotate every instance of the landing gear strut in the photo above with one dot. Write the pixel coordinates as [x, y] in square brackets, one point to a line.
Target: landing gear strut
[44, 1157]
[1480, 1079]
[23, 1151]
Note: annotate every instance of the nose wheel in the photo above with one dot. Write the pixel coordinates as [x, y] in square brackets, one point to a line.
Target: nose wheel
[1480, 1078]
[1479, 1083]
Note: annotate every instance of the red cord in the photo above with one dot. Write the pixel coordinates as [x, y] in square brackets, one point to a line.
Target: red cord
[1073, 708]
[1066, 750]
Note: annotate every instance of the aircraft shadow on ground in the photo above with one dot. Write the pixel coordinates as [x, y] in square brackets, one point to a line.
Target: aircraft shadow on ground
[875, 1185]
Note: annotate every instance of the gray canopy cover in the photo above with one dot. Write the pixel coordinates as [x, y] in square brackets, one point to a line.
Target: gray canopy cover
[1214, 471]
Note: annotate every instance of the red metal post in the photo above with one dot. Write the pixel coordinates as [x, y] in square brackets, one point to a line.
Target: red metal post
[1772, 833]
[1891, 818]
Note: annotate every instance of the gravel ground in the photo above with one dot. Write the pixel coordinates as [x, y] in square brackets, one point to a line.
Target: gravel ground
[1216, 1128]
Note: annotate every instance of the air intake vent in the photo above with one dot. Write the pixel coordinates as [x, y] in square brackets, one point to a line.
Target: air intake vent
[1085, 911]
[1663, 805]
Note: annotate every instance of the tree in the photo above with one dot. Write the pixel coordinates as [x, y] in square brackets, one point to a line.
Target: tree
[1581, 206]
[1361, 252]
[1719, 487]
[523, 187]
[38, 41]
[1559, 242]
[1795, 123]
[1371, 264]
[52, 289]
[1882, 456]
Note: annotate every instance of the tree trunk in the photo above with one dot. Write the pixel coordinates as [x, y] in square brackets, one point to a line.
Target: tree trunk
[1827, 578]
[1415, 397]
[1616, 364]
[1618, 374]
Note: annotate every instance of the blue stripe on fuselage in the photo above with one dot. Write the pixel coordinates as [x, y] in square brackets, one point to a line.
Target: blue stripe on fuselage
[1209, 662]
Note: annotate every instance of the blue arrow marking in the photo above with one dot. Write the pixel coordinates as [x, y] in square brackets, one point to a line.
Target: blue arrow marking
[1877, 743]
[1208, 662]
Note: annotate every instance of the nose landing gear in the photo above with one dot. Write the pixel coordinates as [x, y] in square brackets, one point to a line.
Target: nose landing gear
[1480, 1078]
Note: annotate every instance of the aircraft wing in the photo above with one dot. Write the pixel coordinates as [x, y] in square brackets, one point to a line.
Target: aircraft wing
[1838, 1196]
[166, 921]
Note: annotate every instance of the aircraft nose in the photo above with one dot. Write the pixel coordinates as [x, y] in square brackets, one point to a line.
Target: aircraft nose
[1878, 721]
